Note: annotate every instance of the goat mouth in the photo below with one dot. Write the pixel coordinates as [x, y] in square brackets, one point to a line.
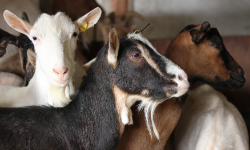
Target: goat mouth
[237, 82]
[177, 92]
[61, 81]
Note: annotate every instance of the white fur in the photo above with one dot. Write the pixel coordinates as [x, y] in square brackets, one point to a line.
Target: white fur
[125, 101]
[171, 68]
[149, 106]
[210, 122]
[55, 48]
[125, 117]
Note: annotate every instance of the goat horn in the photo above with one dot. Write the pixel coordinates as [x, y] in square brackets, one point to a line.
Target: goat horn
[129, 15]
[143, 29]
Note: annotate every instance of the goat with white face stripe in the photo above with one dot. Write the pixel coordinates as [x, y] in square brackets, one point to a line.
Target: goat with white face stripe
[162, 79]
[163, 67]
[54, 38]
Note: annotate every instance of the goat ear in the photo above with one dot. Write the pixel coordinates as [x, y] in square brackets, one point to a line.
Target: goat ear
[32, 57]
[204, 26]
[25, 17]
[197, 35]
[113, 47]
[17, 23]
[90, 19]
[89, 65]
[5, 39]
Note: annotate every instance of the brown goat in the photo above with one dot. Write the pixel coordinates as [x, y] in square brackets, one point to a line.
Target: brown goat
[200, 52]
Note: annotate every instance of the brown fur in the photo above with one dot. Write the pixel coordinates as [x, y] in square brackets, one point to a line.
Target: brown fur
[133, 134]
[120, 97]
[168, 113]
[198, 66]
[12, 65]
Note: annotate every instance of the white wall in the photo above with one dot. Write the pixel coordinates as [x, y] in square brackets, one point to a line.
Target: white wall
[168, 17]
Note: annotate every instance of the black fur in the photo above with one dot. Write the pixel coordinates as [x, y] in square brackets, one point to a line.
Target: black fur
[90, 121]
[188, 27]
[5, 39]
[24, 44]
[151, 80]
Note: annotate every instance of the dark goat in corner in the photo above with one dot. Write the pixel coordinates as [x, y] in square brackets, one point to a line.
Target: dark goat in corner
[125, 71]
[200, 52]
[24, 45]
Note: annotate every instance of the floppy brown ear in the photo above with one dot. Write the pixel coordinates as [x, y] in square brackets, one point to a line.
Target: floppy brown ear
[198, 35]
[5, 39]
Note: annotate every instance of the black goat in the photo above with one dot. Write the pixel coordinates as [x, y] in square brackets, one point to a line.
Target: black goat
[125, 71]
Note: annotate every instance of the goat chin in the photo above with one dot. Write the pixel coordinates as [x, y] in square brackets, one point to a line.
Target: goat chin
[149, 109]
[58, 96]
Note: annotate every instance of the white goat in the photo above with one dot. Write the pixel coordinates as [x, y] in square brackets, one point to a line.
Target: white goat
[210, 122]
[54, 39]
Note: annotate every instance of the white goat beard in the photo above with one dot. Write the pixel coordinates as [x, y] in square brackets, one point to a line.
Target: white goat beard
[149, 108]
[58, 96]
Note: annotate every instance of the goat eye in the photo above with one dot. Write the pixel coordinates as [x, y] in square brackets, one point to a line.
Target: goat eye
[136, 55]
[75, 34]
[34, 38]
[217, 46]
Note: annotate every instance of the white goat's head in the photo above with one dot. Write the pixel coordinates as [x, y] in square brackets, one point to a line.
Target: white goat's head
[54, 39]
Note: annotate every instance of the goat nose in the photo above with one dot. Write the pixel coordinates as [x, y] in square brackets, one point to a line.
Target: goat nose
[183, 77]
[61, 71]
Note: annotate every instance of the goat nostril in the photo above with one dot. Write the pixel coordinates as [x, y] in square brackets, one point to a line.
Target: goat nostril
[184, 77]
[55, 71]
[61, 71]
[66, 71]
[180, 78]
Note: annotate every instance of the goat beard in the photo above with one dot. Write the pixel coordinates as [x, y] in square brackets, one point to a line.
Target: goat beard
[58, 96]
[149, 109]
